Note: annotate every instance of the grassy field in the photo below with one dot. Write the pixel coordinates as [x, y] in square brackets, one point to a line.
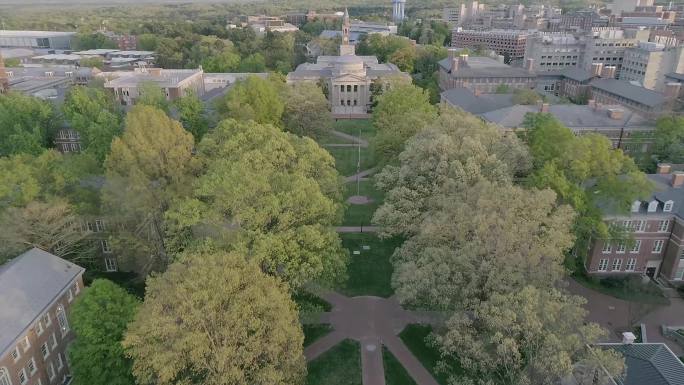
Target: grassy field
[312, 332]
[346, 159]
[414, 338]
[352, 127]
[628, 289]
[340, 365]
[370, 272]
[395, 374]
[361, 215]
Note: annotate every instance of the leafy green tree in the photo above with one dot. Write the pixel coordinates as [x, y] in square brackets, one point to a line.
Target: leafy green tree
[226, 61]
[271, 193]
[94, 114]
[307, 112]
[147, 168]
[381, 46]
[99, 319]
[668, 143]
[253, 63]
[150, 94]
[26, 124]
[405, 59]
[147, 42]
[12, 62]
[532, 336]
[85, 41]
[278, 50]
[212, 319]
[401, 112]
[92, 62]
[192, 115]
[526, 97]
[253, 99]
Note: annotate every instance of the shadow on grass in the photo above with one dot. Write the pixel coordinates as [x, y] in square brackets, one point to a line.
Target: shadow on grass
[414, 337]
[370, 271]
[340, 365]
[395, 374]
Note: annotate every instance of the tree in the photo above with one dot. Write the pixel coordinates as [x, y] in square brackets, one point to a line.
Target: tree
[268, 192]
[86, 41]
[147, 42]
[92, 62]
[50, 226]
[532, 336]
[278, 50]
[306, 110]
[12, 62]
[150, 94]
[254, 98]
[192, 115]
[213, 319]
[405, 59]
[226, 61]
[146, 170]
[26, 124]
[526, 97]
[401, 112]
[668, 143]
[99, 319]
[94, 114]
[253, 63]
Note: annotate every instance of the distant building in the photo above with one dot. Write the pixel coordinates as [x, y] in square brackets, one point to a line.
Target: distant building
[47, 82]
[262, 23]
[649, 63]
[36, 39]
[173, 82]
[554, 51]
[37, 290]
[4, 80]
[482, 74]
[647, 363]
[358, 29]
[347, 78]
[509, 43]
[656, 226]
[636, 98]
[608, 46]
[398, 10]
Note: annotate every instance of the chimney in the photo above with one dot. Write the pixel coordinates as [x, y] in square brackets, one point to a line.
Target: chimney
[454, 64]
[616, 113]
[672, 90]
[544, 108]
[501, 58]
[477, 92]
[608, 72]
[155, 71]
[677, 179]
[596, 69]
[464, 58]
[529, 65]
[664, 168]
[628, 338]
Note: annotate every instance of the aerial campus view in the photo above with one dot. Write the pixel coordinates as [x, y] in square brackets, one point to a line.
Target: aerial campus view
[380, 192]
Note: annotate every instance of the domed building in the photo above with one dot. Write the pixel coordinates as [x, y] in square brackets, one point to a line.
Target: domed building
[347, 78]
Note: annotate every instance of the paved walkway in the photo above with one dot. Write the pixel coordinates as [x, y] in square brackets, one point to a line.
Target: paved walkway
[351, 138]
[618, 315]
[357, 229]
[360, 176]
[374, 322]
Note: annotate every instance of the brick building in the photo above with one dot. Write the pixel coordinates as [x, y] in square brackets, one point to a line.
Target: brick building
[656, 229]
[509, 43]
[36, 291]
[482, 74]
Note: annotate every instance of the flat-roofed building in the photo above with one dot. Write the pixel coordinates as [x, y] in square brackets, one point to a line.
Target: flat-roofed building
[37, 289]
[174, 82]
[647, 102]
[649, 63]
[36, 39]
[509, 43]
[554, 51]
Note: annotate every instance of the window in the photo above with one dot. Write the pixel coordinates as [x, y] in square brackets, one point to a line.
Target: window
[76, 288]
[54, 341]
[45, 350]
[627, 225]
[603, 265]
[349, 88]
[617, 264]
[15, 354]
[652, 206]
[99, 225]
[71, 295]
[51, 371]
[631, 263]
[639, 226]
[31, 366]
[663, 226]
[21, 373]
[39, 328]
[60, 362]
[110, 264]
[356, 88]
[606, 247]
[4, 377]
[668, 206]
[62, 320]
[658, 246]
[105, 246]
[636, 206]
[26, 344]
[621, 246]
[636, 246]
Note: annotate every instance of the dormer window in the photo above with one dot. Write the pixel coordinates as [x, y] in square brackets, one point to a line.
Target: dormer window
[636, 206]
[652, 206]
[668, 206]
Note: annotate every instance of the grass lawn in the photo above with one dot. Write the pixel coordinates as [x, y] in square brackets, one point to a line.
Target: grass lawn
[629, 289]
[312, 332]
[309, 302]
[340, 365]
[357, 215]
[346, 159]
[353, 126]
[329, 138]
[370, 272]
[395, 374]
[414, 338]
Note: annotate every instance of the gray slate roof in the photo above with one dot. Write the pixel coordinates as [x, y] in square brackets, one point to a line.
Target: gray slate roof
[478, 66]
[577, 74]
[29, 283]
[674, 75]
[665, 192]
[649, 364]
[466, 100]
[629, 91]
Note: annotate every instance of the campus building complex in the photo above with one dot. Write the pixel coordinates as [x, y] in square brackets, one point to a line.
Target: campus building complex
[36, 291]
[509, 43]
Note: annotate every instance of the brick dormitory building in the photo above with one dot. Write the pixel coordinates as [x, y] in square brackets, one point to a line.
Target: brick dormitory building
[36, 291]
[656, 228]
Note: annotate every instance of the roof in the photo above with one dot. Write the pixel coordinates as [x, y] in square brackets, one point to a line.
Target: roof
[649, 364]
[29, 284]
[466, 100]
[166, 78]
[7, 33]
[629, 91]
[577, 74]
[674, 75]
[480, 66]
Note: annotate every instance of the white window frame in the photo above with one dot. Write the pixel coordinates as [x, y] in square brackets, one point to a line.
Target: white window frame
[603, 264]
[60, 362]
[27, 344]
[47, 319]
[657, 246]
[111, 264]
[621, 247]
[5, 377]
[631, 264]
[70, 295]
[39, 327]
[639, 226]
[16, 354]
[99, 225]
[21, 373]
[32, 362]
[62, 321]
[652, 206]
[54, 341]
[77, 289]
[636, 205]
[636, 246]
[667, 206]
[607, 247]
[616, 265]
[51, 372]
[105, 246]
[45, 350]
[663, 226]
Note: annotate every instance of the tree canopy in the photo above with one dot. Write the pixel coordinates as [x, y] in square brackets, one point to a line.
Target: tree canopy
[254, 98]
[214, 318]
[668, 143]
[26, 124]
[306, 110]
[192, 115]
